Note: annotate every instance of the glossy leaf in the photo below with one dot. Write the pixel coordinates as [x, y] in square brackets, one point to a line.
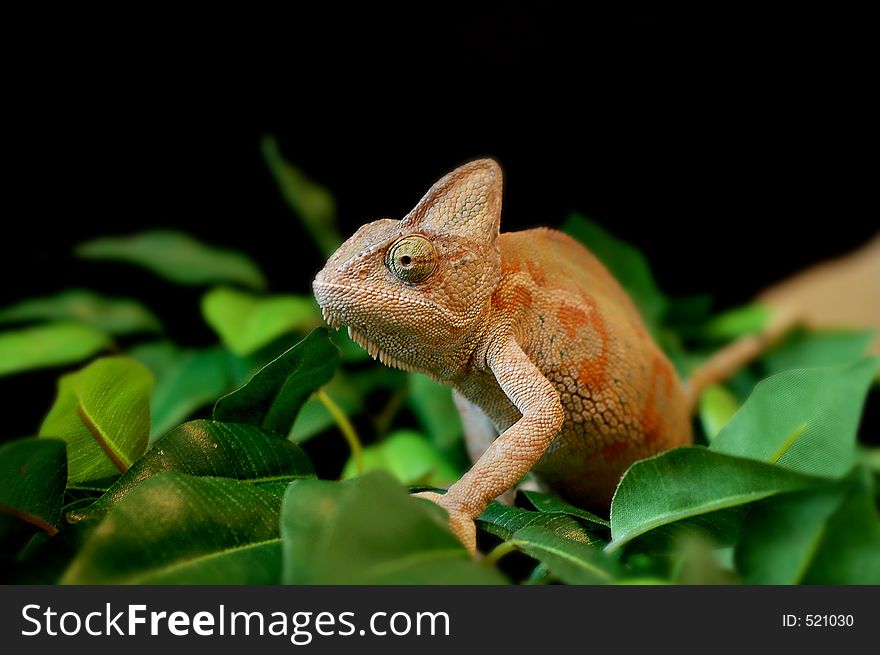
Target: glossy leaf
[43, 346]
[103, 413]
[178, 529]
[804, 419]
[210, 448]
[177, 257]
[369, 531]
[110, 315]
[717, 407]
[626, 264]
[196, 380]
[188, 380]
[505, 521]
[274, 395]
[567, 556]
[804, 349]
[33, 473]
[689, 482]
[247, 323]
[409, 457]
[827, 535]
[312, 203]
[546, 503]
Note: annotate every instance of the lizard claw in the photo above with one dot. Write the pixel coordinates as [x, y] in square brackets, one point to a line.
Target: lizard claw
[461, 524]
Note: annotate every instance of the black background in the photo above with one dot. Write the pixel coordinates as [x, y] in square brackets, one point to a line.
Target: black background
[731, 149]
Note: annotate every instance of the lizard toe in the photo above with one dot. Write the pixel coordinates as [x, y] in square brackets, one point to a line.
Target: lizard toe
[461, 525]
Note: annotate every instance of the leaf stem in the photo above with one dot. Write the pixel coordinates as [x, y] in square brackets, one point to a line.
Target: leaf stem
[498, 552]
[347, 429]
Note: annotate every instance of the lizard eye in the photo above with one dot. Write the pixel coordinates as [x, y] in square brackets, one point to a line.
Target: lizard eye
[411, 258]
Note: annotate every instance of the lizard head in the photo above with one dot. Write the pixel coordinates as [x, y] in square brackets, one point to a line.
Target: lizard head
[413, 291]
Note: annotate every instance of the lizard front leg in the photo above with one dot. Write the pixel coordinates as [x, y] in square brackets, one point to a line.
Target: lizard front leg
[516, 450]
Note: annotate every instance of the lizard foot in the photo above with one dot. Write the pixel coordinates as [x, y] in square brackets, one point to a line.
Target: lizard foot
[461, 524]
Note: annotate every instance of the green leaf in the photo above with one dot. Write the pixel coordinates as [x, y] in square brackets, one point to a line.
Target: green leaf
[504, 522]
[272, 398]
[869, 458]
[698, 561]
[179, 529]
[689, 482]
[828, 535]
[198, 379]
[312, 203]
[33, 473]
[349, 390]
[177, 257]
[246, 322]
[803, 349]
[161, 357]
[737, 322]
[43, 346]
[368, 531]
[547, 503]
[314, 418]
[717, 407]
[568, 557]
[110, 315]
[188, 380]
[210, 448]
[409, 457]
[626, 264]
[103, 413]
[804, 419]
[432, 404]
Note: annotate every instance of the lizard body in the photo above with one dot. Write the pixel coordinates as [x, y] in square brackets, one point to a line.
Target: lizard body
[551, 365]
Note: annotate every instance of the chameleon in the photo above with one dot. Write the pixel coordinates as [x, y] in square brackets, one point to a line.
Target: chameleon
[552, 368]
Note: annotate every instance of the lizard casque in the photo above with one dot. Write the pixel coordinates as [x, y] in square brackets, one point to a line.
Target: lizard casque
[552, 368]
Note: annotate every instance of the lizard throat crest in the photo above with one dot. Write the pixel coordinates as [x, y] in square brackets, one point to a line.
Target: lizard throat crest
[376, 352]
[370, 346]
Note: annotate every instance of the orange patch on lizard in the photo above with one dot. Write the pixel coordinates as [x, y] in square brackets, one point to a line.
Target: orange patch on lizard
[591, 371]
[510, 264]
[509, 300]
[536, 273]
[572, 319]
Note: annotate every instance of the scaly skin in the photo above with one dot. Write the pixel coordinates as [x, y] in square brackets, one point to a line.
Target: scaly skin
[528, 328]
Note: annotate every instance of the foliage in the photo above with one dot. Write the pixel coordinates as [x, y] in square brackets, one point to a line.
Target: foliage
[177, 257]
[167, 463]
[103, 414]
[49, 345]
[115, 316]
[246, 323]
